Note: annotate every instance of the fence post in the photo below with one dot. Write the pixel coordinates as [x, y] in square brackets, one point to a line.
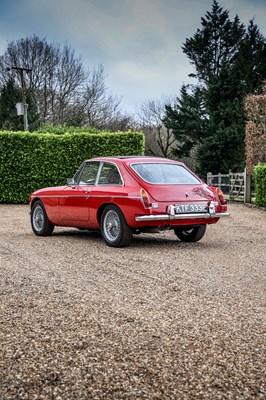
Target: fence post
[247, 182]
[209, 178]
[219, 180]
[230, 184]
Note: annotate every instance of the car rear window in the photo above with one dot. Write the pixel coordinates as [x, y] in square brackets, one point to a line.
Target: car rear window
[109, 175]
[164, 174]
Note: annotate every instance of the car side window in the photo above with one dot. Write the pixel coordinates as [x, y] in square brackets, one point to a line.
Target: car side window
[110, 175]
[89, 173]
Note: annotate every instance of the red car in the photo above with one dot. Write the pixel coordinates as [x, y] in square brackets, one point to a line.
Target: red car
[123, 196]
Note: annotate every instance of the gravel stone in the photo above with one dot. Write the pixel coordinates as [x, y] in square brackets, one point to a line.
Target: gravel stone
[160, 319]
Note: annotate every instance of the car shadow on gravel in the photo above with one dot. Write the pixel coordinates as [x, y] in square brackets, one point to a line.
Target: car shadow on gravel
[138, 241]
[78, 234]
[169, 242]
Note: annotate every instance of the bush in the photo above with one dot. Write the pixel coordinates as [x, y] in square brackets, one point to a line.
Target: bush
[29, 161]
[260, 184]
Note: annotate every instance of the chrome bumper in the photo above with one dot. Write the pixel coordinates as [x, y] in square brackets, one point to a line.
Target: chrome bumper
[168, 217]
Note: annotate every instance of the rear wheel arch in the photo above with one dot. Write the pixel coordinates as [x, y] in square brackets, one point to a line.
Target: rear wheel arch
[102, 208]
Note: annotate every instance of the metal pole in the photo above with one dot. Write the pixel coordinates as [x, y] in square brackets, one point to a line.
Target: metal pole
[24, 101]
[25, 114]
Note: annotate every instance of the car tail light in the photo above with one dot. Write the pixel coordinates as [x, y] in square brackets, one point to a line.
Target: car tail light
[221, 197]
[145, 198]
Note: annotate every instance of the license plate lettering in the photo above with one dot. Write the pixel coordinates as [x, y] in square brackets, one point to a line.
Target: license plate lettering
[190, 208]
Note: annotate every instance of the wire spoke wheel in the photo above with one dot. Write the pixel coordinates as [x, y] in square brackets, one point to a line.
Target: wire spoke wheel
[112, 225]
[40, 223]
[38, 218]
[114, 228]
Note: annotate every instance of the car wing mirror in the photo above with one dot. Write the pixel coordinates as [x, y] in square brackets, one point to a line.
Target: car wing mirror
[70, 181]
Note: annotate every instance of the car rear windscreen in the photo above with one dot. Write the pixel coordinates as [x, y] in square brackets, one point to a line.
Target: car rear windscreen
[164, 174]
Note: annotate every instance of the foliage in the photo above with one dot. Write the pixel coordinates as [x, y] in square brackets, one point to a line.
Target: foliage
[229, 62]
[249, 66]
[215, 45]
[29, 161]
[188, 120]
[255, 107]
[62, 129]
[220, 152]
[9, 97]
[224, 147]
[260, 184]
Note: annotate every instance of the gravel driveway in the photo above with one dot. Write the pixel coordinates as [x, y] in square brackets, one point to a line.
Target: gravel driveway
[160, 319]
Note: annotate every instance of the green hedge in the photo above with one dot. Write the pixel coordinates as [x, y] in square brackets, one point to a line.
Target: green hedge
[260, 184]
[29, 161]
[62, 129]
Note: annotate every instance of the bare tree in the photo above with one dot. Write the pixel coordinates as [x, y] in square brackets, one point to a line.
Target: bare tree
[101, 109]
[56, 74]
[159, 139]
[59, 87]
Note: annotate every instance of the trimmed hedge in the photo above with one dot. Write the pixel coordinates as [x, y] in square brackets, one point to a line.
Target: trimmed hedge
[62, 129]
[260, 184]
[29, 161]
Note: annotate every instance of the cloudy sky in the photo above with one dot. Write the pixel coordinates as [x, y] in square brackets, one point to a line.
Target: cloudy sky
[137, 41]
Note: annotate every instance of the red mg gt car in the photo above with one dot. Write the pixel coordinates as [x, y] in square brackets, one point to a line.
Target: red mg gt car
[122, 196]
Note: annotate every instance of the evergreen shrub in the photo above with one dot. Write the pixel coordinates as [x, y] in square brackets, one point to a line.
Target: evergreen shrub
[260, 184]
[29, 161]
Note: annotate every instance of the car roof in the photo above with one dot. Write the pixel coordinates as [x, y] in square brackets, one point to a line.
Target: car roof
[131, 159]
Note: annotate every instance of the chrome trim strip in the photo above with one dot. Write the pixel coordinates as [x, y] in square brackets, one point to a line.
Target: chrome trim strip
[167, 217]
[87, 196]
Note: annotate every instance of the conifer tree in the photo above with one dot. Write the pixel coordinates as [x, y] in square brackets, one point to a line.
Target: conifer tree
[229, 62]
[10, 94]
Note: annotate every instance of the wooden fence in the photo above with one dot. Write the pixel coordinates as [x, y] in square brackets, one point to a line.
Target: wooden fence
[236, 185]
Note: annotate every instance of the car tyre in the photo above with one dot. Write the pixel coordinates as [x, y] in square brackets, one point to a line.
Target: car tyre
[40, 223]
[187, 234]
[114, 228]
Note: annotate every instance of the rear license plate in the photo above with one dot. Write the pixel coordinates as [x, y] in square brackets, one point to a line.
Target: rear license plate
[190, 208]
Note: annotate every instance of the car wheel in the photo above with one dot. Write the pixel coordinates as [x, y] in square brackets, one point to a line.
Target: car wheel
[40, 223]
[187, 234]
[114, 228]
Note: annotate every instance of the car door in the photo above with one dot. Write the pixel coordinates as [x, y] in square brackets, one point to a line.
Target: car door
[109, 189]
[76, 198]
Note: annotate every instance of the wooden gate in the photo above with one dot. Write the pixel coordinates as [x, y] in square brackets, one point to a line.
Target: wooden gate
[236, 185]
